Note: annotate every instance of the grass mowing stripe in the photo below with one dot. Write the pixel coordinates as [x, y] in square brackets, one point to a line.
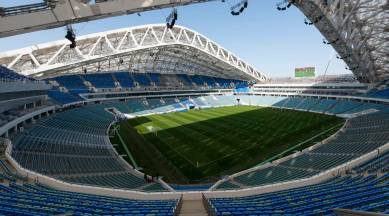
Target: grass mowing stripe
[227, 139]
[211, 127]
[299, 144]
[185, 132]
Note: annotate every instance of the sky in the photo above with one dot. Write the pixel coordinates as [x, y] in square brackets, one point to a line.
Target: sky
[273, 42]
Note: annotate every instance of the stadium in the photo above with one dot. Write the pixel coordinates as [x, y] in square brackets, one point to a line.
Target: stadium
[159, 119]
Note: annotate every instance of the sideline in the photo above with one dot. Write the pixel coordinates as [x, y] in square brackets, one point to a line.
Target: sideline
[125, 147]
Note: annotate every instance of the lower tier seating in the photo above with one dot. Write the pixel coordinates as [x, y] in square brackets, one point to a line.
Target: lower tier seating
[355, 191]
[359, 193]
[273, 174]
[73, 146]
[35, 199]
[20, 197]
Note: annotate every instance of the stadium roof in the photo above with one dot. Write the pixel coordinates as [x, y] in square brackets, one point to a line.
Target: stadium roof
[53, 13]
[358, 31]
[148, 48]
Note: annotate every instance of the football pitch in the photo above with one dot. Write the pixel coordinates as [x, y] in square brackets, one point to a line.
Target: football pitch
[203, 145]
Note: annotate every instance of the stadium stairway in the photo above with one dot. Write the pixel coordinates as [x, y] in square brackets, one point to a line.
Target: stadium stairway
[192, 206]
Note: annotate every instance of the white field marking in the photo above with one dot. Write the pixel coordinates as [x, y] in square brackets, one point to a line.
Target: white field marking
[210, 162]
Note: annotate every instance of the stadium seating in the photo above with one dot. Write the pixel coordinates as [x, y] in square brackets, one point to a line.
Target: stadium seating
[124, 79]
[378, 164]
[273, 174]
[121, 180]
[240, 84]
[223, 83]
[71, 82]
[185, 79]
[307, 104]
[172, 101]
[63, 97]
[198, 80]
[317, 161]
[358, 192]
[263, 100]
[103, 80]
[142, 79]
[39, 200]
[7, 74]
[155, 78]
[172, 80]
[76, 92]
[344, 106]
[323, 105]
[154, 103]
[209, 81]
[75, 85]
[72, 146]
[166, 105]
[186, 102]
[362, 134]
[120, 106]
[381, 93]
[292, 102]
[346, 192]
[135, 105]
[18, 197]
[200, 101]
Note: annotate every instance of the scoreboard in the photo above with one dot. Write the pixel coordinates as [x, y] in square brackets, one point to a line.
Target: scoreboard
[304, 72]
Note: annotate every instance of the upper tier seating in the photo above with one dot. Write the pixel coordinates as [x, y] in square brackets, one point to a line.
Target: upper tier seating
[103, 80]
[223, 83]
[185, 79]
[198, 80]
[142, 79]
[63, 97]
[124, 79]
[155, 78]
[240, 84]
[209, 81]
[172, 80]
[80, 84]
[71, 82]
[7, 74]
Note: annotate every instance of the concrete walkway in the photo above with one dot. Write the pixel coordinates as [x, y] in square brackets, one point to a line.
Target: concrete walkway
[193, 206]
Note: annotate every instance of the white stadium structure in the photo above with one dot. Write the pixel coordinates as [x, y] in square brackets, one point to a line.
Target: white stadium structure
[59, 105]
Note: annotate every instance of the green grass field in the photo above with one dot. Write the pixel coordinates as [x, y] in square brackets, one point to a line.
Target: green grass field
[202, 145]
